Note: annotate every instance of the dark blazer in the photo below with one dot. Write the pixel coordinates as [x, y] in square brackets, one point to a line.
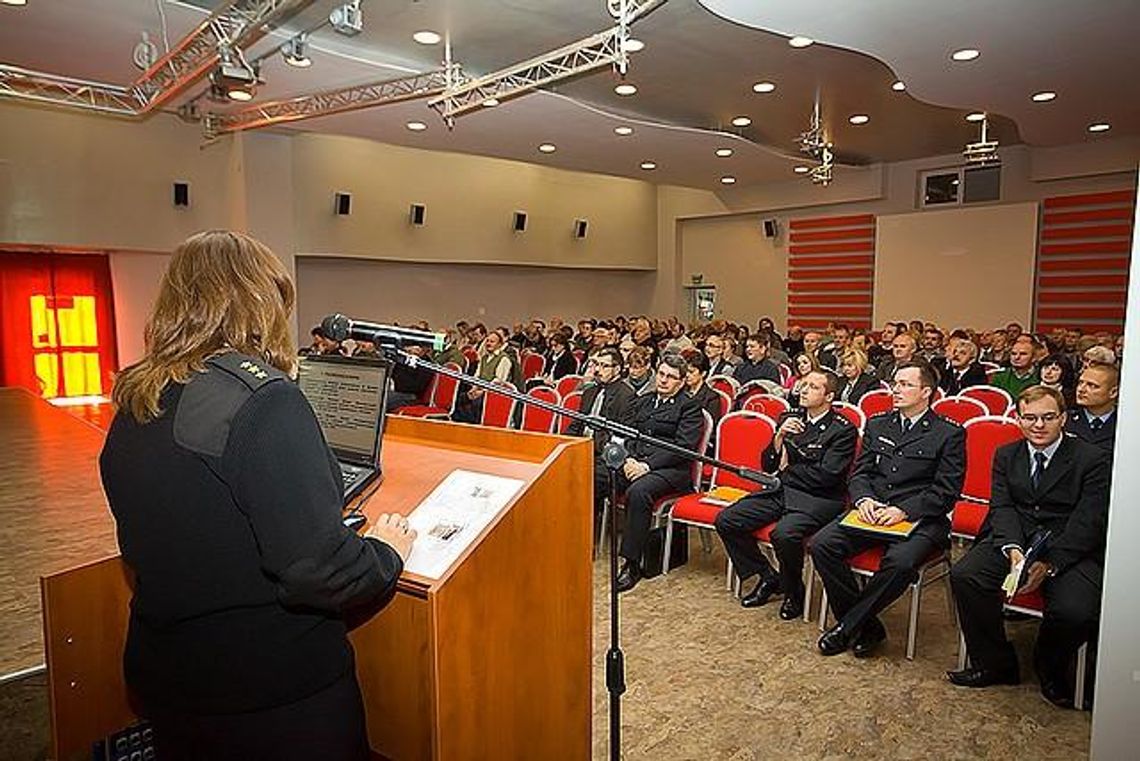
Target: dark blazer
[952, 383]
[709, 400]
[852, 391]
[1078, 425]
[748, 371]
[920, 472]
[617, 405]
[1071, 500]
[677, 420]
[819, 461]
[564, 365]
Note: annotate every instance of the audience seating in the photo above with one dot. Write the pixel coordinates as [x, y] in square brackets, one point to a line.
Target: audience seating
[772, 406]
[533, 365]
[854, 415]
[579, 358]
[983, 436]
[537, 419]
[498, 409]
[471, 354]
[960, 408]
[725, 384]
[876, 402]
[997, 400]
[444, 393]
[572, 401]
[785, 373]
[567, 385]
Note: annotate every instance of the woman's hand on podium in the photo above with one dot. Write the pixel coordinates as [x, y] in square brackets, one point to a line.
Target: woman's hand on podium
[393, 530]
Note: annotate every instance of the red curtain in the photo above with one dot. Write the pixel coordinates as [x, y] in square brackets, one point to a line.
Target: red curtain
[58, 333]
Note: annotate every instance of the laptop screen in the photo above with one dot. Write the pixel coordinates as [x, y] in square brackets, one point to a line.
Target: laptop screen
[347, 396]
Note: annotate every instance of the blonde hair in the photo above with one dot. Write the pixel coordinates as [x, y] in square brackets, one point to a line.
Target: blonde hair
[223, 291]
[857, 356]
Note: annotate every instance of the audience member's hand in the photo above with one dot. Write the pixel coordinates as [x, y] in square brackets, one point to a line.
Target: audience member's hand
[393, 530]
[868, 510]
[1015, 557]
[791, 427]
[890, 515]
[475, 393]
[634, 469]
[1033, 577]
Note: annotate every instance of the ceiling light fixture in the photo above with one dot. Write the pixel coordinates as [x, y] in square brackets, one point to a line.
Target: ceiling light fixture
[233, 75]
[977, 116]
[347, 19]
[899, 86]
[728, 180]
[802, 169]
[490, 102]
[633, 45]
[965, 54]
[625, 89]
[623, 131]
[416, 126]
[741, 121]
[648, 165]
[723, 152]
[14, 2]
[296, 52]
[427, 37]
[1100, 127]
[859, 119]
[1044, 96]
[801, 42]
[764, 87]
[548, 148]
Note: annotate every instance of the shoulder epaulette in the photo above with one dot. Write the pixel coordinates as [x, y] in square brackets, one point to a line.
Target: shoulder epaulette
[212, 399]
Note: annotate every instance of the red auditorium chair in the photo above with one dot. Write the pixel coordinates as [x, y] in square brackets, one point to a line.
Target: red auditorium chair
[471, 354]
[535, 418]
[725, 384]
[997, 400]
[572, 401]
[567, 385]
[533, 365]
[766, 404]
[579, 358]
[853, 414]
[960, 408]
[498, 409]
[983, 436]
[444, 393]
[876, 402]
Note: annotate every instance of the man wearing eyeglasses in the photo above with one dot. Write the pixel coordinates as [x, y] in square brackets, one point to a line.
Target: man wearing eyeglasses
[650, 473]
[1048, 483]
[911, 469]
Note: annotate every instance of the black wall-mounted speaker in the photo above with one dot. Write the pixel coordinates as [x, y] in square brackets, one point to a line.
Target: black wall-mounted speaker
[520, 221]
[343, 204]
[418, 214]
[580, 227]
[182, 194]
[771, 228]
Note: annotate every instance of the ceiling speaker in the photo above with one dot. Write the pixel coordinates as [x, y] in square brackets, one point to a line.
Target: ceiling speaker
[418, 214]
[520, 221]
[342, 204]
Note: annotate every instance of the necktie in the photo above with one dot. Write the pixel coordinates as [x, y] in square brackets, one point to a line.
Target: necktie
[1096, 424]
[906, 424]
[1039, 470]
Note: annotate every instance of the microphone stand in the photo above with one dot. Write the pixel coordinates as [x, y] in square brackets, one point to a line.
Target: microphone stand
[614, 455]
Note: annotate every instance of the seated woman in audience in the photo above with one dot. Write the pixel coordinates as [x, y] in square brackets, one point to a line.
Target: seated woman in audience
[560, 361]
[1056, 372]
[855, 378]
[804, 363]
[696, 386]
[639, 370]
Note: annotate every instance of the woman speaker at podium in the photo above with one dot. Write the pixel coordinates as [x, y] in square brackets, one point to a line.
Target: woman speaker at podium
[228, 506]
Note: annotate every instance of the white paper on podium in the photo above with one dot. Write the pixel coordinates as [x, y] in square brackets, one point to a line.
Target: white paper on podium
[448, 520]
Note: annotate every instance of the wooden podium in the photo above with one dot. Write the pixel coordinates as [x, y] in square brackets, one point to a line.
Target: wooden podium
[490, 661]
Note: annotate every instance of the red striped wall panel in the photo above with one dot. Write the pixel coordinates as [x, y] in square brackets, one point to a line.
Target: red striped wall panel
[831, 270]
[1084, 251]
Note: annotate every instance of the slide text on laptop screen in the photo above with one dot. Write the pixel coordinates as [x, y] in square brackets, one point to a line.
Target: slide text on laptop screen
[346, 399]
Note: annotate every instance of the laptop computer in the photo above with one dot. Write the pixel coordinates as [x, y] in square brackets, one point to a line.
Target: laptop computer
[348, 396]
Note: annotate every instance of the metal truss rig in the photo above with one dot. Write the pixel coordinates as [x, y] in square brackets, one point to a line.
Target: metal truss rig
[238, 23]
[332, 102]
[594, 52]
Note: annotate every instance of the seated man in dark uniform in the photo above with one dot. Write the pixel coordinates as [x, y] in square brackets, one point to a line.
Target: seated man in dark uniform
[1049, 482]
[650, 472]
[813, 455]
[1094, 420]
[911, 469]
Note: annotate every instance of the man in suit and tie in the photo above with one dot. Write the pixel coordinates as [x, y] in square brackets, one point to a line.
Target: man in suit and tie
[1048, 483]
[650, 472]
[1094, 420]
[812, 451]
[910, 469]
[962, 369]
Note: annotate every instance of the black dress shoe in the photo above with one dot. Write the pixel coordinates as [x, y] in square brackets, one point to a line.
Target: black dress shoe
[835, 640]
[869, 638]
[1056, 693]
[768, 586]
[628, 578]
[792, 607]
[971, 677]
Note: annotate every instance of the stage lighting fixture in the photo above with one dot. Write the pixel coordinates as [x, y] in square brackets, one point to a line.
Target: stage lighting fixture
[296, 52]
[347, 19]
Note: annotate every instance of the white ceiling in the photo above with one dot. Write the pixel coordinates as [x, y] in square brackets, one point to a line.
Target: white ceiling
[694, 76]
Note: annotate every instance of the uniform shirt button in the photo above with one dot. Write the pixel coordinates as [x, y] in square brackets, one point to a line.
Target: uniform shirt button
[895, 469]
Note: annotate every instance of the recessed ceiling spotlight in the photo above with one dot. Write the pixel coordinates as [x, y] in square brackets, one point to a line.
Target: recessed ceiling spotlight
[741, 121]
[548, 147]
[648, 165]
[416, 126]
[625, 89]
[490, 102]
[802, 169]
[427, 37]
[764, 87]
[240, 93]
[965, 54]
[899, 86]
[724, 152]
[13, 2]
[728, 180]
[859, 119]
[633, 45]
[623, 131]
[801, 42]
[977, 116]
[1044, 96]
[1100, 127]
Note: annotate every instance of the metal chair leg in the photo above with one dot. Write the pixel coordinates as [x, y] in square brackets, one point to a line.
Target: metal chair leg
[602, 529]
[823, 611]
[667, 550]
[808, 589]
[706, 541]
[912, 628]
[1082, 668]
[729, 576]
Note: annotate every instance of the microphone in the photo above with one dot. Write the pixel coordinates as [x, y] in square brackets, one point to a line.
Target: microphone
[338, 327]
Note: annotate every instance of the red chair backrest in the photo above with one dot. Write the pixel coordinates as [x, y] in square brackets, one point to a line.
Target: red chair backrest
[785, 374]
[853, 414]
[772, 406]
[983, 436]
[725, 384]
[428, 393]
[572, 401]
[702, 447]
[535, 418]
[445, 390]
[959, 408]
[471, 354]
[875, 402]
[567, 385]
[498, 409]
[741, 438]
[532, 365]
[997, 400]
[579, 358]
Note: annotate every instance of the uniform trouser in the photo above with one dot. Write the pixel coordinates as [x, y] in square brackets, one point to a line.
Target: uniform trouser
[1072, 608]
[834, 545]
[736, 523]
[640, 497]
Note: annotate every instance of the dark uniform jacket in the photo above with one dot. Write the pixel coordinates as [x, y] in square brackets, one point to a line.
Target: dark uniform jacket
[677, 420]
[617, 405]
[852, 391]
[1078, 425]
[951, 383]
[819, 460]
[1071, 501]
[709, 400]
[748, 371]
[920, 472]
